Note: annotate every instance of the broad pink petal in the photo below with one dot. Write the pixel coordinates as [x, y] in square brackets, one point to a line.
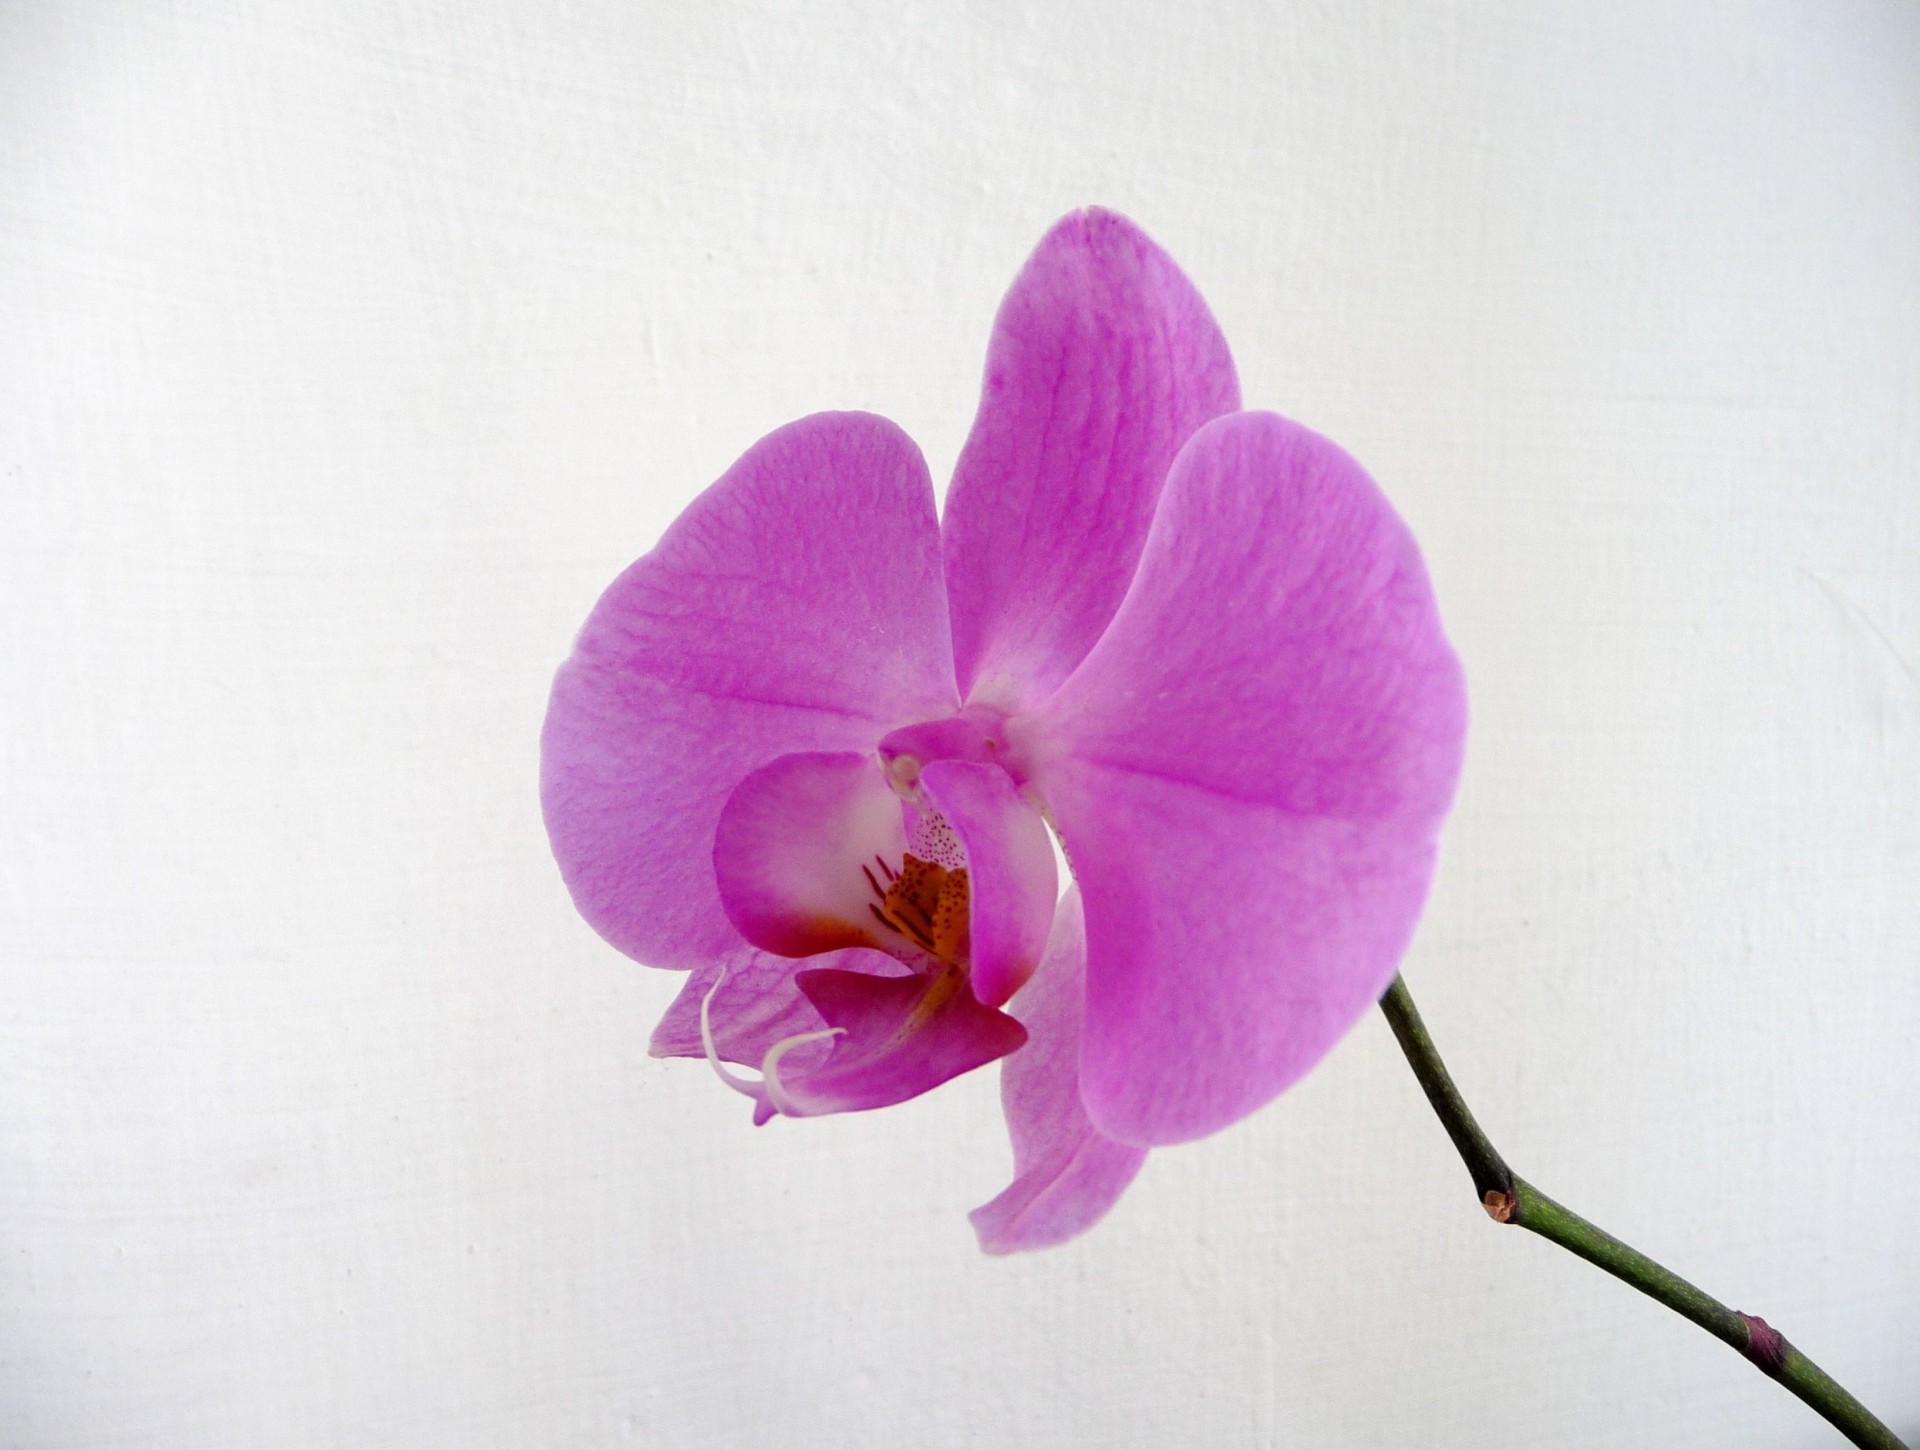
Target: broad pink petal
[901, 1037]
[1104, 360]
[1067, 1174]
[1012, 881]
[1249, 773]
[757, 1006]
[797, 605]
[799, 849]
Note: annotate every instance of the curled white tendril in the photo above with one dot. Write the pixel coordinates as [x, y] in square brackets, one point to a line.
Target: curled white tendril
[769, 1083]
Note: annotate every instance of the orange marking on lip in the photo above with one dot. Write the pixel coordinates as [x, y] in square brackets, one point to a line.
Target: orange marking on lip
[928, 904]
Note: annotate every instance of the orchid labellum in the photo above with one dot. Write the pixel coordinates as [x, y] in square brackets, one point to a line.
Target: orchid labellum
[815, 747]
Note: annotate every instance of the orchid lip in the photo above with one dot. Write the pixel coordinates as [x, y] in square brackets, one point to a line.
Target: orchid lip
[905, 1036]
[769, 1085]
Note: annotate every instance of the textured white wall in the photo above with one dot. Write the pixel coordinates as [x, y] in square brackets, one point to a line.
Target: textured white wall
[347, 351]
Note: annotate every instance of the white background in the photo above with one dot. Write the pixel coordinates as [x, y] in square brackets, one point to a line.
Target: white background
[346, 352]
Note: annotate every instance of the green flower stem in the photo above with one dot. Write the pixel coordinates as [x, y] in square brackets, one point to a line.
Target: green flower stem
[1509, 1198]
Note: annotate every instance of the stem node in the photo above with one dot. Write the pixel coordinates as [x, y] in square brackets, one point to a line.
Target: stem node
[1508, 1199]
[1766, 1346]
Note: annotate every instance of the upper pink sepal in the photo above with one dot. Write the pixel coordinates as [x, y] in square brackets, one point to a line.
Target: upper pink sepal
[1104, 360]
[1013, 883]
[797, 605]
[1067, 1174]
[901, 1036]
[1249, 773]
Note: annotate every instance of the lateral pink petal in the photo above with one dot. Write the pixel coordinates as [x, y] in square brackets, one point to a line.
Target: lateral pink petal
[802, 849]
[797, 605]
[1012, 881]
[1249, 773]
[902, 1036]
[1067, 1174]
[1104, 360]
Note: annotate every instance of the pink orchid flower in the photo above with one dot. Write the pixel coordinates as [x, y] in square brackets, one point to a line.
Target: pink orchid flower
[812, 746]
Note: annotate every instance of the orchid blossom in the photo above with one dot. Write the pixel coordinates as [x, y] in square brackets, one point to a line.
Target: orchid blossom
[815, 747]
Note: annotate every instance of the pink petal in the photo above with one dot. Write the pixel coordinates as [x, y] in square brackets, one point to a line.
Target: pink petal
[1067, 1174]
[1249, 773]
[1104, 360]
[902, 1037]
[1012, 881]
[758, 1005]
[797, 605]
[802, 849]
